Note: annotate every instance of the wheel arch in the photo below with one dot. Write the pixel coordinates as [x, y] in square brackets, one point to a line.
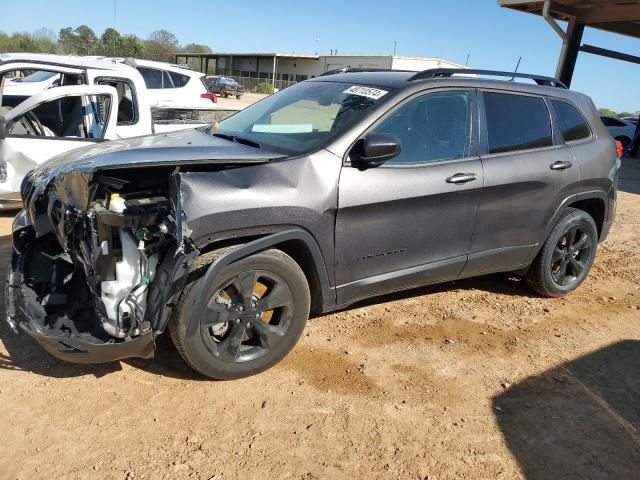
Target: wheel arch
[296, 242]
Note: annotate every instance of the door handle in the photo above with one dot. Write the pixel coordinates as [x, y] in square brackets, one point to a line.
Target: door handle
[561, 165]
[460, 178]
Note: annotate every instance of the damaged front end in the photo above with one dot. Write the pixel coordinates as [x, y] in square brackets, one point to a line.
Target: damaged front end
[97, 260]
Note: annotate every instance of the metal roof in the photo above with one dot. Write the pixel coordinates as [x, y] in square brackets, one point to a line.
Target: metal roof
[617, 16]
[62, 60]
[235, 54]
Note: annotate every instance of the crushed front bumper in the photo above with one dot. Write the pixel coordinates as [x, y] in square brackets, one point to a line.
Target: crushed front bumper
[25, 313]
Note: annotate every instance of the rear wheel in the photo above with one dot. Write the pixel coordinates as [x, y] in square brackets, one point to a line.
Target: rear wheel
[255, 313]
[566, 256]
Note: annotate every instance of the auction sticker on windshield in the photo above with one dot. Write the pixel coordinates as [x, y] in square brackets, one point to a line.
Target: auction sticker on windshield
[369, 92]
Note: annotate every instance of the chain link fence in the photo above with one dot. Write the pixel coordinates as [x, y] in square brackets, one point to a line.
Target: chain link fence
[261, 84]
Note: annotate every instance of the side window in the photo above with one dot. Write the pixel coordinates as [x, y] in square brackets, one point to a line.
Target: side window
[152, 77]
[69, 117]
[431, 127]
[516, 122]
[572, 124]
[127, 111]
[166, 80]
[179, 80]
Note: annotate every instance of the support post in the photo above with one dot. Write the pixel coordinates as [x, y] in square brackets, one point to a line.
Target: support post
[273, 75]
[569, 52]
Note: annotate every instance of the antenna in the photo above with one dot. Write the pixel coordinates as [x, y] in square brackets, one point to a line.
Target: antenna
[395, 47]
[467, 62]
[114, 27]
[516, 70]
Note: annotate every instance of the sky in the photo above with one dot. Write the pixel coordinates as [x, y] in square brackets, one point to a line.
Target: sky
[492, 37]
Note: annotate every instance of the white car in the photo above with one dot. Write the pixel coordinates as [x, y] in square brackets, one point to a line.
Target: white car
[31, 84]
[172, 86]
[621, 130]
[95, 100]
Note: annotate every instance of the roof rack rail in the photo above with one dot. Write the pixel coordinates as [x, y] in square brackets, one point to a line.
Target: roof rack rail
[348, 69]
[448, 72]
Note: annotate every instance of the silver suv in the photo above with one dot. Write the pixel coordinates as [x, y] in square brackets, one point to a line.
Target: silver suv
[346, 186]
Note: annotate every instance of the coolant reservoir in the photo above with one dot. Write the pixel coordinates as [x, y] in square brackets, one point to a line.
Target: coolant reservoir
[117, 203]
[128, 276]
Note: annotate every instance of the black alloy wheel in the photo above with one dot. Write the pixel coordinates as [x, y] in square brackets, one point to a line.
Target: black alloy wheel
[255, 313]
[566, 256]
[570, 255]
[248, 316]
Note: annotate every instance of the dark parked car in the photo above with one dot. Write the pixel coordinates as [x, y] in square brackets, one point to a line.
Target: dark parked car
[224, 86]
[339, 188]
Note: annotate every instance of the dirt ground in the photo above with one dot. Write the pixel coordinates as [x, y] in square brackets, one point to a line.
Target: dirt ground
[478, 379]
[243, 102]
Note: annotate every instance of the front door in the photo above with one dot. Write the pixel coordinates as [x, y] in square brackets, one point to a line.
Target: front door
[409, 222]
[49, 123]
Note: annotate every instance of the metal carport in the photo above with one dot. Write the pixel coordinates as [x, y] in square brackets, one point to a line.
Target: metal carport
[617, 16]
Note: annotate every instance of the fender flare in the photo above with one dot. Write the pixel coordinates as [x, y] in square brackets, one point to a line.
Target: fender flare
[251, 248]
[593, 194]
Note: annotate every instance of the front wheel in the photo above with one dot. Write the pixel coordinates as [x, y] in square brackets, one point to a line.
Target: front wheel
[566, 256]
[255, 313]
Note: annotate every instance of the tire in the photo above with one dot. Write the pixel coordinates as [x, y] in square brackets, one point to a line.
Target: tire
[566, 256]
[231, 341]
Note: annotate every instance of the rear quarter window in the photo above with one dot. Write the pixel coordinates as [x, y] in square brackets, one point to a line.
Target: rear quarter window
[179, 80]
[516, 122]
[571, 122]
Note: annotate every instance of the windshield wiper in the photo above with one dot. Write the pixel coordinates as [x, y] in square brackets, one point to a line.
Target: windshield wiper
[237, 139]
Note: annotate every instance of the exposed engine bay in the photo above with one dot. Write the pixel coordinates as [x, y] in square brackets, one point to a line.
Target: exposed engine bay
[89, 272]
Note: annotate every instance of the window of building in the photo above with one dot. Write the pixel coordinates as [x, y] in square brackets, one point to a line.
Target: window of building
[516, 122]
[431, 127]
[572, 124]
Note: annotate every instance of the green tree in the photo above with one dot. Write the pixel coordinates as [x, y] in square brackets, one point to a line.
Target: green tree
[160, 46]
[86, 40]
[131, 46]
[110, 42]
[196, 48]
[67, 40]
[605, 112]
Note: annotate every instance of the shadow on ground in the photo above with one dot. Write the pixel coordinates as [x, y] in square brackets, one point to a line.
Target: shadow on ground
[578, 421]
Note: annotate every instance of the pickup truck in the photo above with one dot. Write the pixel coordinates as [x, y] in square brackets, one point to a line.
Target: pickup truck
[94, 101]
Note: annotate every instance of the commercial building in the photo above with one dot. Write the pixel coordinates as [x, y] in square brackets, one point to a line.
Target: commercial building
[281, 69]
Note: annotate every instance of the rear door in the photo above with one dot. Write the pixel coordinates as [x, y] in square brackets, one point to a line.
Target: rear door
[528, 173]
[409, 221]
[83, 115]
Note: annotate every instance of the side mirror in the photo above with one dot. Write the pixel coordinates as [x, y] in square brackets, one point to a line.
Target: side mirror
[3, 127]
[375, 149]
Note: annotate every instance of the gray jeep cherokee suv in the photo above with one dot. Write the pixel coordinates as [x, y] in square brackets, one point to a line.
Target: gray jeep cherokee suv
[339, 188]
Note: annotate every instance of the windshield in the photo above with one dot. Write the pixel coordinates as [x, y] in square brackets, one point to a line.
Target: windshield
[304, 117]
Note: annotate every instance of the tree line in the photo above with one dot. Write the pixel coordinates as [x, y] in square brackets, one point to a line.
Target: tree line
[606, 112]
[82, 40]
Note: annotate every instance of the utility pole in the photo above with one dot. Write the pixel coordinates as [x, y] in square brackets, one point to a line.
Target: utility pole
[395, 47]
[114, 27]
[317, 42]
